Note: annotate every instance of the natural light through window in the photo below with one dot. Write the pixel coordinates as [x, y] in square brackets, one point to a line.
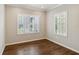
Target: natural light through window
[27, 24]
[61, 23]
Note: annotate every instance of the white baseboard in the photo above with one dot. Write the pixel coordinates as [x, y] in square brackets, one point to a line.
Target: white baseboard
[24, 41]
[64, 45]
[2, 50]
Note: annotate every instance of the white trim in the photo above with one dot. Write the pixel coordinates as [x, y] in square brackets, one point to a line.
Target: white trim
[64, 13]
[64, 45]
[2, 50]
[23, 41]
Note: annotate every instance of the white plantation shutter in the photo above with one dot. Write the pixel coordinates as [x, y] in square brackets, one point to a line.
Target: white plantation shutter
[37, 24]
[61, 23]
[27, 24]
[20, 25]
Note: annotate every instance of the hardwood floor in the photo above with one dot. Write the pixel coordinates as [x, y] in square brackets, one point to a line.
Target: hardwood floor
[40, 47]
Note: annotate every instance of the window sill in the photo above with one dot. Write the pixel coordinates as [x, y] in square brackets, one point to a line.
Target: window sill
[64, 35]
[28, 33]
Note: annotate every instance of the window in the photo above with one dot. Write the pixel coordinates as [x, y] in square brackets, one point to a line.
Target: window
[61, 23]
[27, 24]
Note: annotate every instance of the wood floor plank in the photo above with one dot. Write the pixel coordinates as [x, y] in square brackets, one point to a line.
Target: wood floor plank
[39, 47]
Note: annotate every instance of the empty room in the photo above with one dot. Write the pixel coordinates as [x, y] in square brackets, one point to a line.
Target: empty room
[39, 29]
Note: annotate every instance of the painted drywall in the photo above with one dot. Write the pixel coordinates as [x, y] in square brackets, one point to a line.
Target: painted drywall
[2, 29]
[72, 39]
[11, 24]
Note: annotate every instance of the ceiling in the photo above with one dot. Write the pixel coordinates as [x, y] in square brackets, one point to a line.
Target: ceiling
[39, 7]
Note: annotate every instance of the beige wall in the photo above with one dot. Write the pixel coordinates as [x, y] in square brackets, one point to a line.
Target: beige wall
[72, 39]
[2, 28]
[11, 20]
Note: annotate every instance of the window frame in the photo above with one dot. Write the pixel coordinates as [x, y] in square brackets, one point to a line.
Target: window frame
[65, 24]
[24, 25]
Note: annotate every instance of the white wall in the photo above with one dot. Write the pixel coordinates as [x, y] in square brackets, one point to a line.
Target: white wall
[72, 39]
[11, 25]
[2, 30]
